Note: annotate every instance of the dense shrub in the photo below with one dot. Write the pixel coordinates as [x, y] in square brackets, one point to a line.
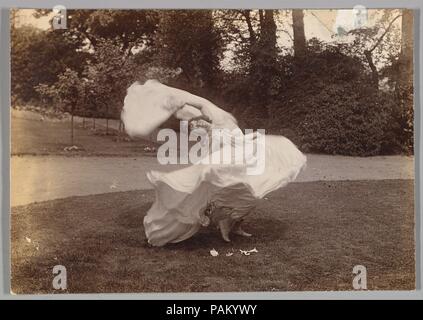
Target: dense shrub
[328, 104]
[403, 117]
[347, 122]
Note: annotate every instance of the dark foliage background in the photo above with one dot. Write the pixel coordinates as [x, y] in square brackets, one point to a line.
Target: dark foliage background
[350, 98]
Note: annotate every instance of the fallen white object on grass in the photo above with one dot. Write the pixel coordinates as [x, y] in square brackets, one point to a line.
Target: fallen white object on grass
[214, 253]
[113, 185]
[229, 254]
[28, 239]
[71, 148]
[248, 252]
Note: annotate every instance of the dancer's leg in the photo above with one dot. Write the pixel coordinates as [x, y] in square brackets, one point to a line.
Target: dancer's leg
[238, 215]
[222, 218]
[225, 227]
[237, 229]
[229, 220]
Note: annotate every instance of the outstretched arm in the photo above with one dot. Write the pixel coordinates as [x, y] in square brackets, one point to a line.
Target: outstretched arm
[216, 115]
[204, 105]
[148, 106]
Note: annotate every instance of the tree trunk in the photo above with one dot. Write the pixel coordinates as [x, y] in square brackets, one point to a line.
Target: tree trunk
[252, 43]
[72, 127]
[107, 120]
[119, 134]
[369, 54]
[404, 85]
[375, 73]
[264, 60]
[246, 14]
[406, 54]
[299, 35]
[268, 34]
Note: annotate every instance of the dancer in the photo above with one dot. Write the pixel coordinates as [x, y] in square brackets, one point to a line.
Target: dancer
[205, 192]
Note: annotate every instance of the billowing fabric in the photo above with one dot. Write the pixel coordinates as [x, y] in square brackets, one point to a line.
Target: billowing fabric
[182, 196]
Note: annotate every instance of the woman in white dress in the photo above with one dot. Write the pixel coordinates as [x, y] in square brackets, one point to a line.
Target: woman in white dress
[205, 193]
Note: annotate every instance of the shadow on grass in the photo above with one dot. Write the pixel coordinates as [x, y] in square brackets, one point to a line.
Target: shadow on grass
[309, 236]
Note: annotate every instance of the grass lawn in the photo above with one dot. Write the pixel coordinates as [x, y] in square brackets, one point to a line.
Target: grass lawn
[35, 137]
[309, 236]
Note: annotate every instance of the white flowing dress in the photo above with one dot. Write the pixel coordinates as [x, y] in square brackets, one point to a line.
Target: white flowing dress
[183, 195]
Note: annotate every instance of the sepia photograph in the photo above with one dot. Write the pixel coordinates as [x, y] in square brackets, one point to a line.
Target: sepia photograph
[218, 150]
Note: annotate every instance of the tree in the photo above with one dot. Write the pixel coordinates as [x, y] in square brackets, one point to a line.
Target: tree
[299, 35]
[404, 87]
[189, 40]
[265, 64]
[126, 28]
[406, 53]
[377, 45]
[67, 90]
[105, 80]
[252, 37]
[39, 56]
